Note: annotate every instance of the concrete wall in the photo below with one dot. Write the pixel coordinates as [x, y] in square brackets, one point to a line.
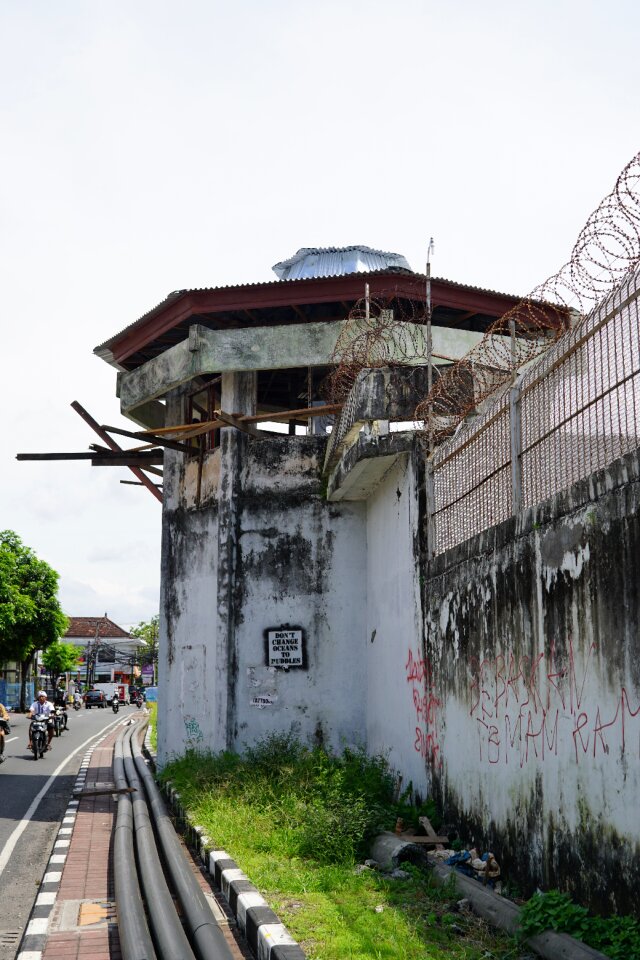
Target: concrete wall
[302, 562]
[397, 706]
[503, 676]
[260, 548]
[534, 654]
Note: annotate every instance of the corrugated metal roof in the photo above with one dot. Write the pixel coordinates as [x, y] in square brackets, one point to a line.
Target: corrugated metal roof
[311, 262]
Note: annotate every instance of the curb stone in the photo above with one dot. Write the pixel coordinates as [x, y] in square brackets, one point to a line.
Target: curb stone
[268, 939]
[34, 938]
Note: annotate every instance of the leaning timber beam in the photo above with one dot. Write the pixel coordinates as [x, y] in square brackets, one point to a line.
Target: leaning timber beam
[156, 441]
[187, 431]
[111, 443]
[123, 458]
[139, 460]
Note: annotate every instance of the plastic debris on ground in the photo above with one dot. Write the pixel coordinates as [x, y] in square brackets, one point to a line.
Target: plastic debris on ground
[484, 868]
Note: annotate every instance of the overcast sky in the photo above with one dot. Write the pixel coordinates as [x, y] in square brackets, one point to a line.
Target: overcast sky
[149, 146]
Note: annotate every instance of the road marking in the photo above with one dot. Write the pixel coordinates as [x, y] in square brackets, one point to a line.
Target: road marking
[35, 803]
[11, 738]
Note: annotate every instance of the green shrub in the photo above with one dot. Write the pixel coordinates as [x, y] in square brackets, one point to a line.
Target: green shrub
[617, 937]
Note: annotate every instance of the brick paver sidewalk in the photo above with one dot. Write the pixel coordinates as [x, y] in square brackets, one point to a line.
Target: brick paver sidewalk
[74, 917]
[83, 923]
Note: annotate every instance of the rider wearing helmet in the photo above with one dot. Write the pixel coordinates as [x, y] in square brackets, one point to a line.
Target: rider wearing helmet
[60, 700]
[41, 707]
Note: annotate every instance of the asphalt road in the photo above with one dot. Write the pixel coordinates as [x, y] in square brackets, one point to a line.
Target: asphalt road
[24, 855]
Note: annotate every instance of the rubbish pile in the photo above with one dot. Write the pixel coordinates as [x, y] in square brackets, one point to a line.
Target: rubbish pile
[484, 868]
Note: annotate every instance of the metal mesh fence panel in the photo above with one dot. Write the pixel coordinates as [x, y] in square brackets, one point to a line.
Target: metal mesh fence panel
[472, 481]
[579, 403]
[577, 411]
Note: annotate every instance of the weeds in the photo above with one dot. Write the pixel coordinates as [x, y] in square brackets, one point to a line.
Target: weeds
[617, 937]
[297, 820]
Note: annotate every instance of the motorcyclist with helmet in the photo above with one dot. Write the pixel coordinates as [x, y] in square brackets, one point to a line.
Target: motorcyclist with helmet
[60, 700]
[41, 707]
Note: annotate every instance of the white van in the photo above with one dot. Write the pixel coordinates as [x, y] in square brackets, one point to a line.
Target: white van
[109, 689]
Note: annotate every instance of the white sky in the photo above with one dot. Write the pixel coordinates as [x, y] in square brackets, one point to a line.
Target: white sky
[148, 146]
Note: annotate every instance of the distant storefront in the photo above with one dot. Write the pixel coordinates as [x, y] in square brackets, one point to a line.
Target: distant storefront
[108, 654]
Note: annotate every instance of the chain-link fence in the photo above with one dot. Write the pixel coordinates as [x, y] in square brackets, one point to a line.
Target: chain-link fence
[572, 412]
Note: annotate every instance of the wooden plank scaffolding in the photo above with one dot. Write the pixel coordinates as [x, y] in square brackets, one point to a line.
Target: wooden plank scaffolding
[148, 456]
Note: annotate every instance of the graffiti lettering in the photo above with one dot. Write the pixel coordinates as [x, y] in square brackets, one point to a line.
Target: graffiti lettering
[529, 709]
[426, 705]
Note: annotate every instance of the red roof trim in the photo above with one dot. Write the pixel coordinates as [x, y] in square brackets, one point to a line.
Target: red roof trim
[179, 307]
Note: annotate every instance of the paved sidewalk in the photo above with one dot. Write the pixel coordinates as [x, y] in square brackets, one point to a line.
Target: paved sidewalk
[74, 913]
[74, 917]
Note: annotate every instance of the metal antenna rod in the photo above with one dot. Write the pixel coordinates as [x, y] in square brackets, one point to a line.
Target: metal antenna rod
[430, 249]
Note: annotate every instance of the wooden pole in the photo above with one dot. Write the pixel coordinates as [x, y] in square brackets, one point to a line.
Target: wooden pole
[110, 442]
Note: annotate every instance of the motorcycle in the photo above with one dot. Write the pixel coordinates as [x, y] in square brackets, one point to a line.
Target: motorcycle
[115, 704]
[38, 737]
[5, 729]
[77, 704]
[59, 720]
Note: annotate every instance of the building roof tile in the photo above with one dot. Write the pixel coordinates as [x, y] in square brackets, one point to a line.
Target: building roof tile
[89, 627]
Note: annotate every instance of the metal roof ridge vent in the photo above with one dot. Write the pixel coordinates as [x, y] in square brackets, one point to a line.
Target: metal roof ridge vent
[310, 262]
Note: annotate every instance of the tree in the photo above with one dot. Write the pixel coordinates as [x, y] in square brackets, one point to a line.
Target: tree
[30, 615]
[60, 658]
[149, 631]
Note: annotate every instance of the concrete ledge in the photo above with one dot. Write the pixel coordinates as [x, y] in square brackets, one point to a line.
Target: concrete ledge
[363, 465]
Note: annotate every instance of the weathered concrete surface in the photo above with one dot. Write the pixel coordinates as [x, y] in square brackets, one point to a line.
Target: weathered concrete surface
[504, 676]
[261, 348]
[365, 463]
[263, 549]
[533, 669]
[397, 711]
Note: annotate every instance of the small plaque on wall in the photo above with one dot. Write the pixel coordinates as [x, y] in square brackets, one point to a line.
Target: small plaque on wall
[285, 646]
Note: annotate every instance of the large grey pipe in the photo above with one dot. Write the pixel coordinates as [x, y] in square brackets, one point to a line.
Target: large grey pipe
[168, 931]
[206, 936]
[135, 939]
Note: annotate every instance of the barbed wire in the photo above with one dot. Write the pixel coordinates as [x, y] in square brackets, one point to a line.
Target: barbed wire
[607, 249]
[381, 331]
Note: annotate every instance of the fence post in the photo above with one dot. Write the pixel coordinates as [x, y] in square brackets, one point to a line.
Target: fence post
[431, 509]
[515, 434]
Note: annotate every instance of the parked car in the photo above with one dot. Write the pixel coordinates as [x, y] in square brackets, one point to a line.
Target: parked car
[95, 698]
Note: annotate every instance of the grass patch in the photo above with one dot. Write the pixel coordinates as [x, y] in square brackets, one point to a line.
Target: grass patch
[297, 821]
[153, 724]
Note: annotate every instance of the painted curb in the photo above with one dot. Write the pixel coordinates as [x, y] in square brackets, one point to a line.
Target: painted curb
[36, 932]
[267, 937]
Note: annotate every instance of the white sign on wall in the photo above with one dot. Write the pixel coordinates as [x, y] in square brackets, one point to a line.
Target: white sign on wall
[284, 647]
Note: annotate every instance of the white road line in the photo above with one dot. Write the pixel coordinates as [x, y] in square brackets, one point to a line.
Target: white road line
[11, 738]
[19, 830]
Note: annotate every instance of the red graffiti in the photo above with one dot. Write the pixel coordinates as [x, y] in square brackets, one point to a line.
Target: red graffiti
[426, 705]
[529, 709]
